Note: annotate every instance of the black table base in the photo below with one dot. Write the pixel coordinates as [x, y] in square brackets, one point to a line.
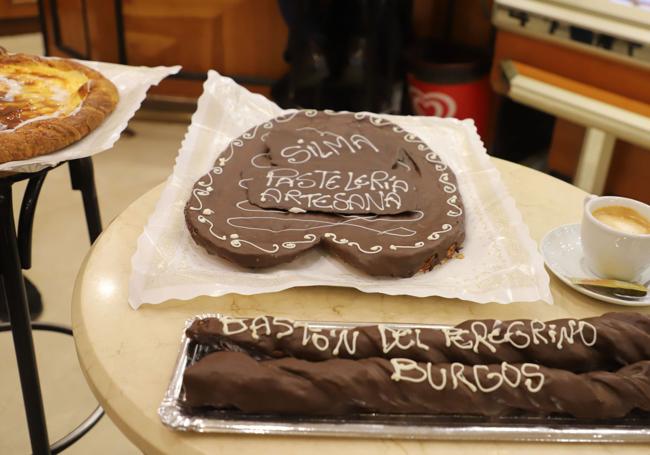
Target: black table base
[15, 255]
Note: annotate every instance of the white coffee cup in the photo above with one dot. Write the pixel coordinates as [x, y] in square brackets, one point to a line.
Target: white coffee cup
[611, 253]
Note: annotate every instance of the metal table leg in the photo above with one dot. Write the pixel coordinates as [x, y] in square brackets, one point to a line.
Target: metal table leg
[14, 289]
[26, 218]
[82, 177]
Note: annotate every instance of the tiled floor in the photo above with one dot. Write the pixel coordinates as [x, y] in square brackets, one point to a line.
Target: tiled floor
[60, 243]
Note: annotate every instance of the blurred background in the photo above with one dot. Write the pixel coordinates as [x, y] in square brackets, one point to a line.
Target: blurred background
[562, 86]
[425, 57]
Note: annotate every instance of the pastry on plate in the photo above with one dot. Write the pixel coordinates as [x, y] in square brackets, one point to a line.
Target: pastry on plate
[47, 104]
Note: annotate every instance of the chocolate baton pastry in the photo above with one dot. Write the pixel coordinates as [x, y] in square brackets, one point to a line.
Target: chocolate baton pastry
[342, 386]
[357, 185]
[607, 342]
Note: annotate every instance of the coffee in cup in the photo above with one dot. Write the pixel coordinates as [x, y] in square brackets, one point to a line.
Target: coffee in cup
[615, 236]
[624, 219]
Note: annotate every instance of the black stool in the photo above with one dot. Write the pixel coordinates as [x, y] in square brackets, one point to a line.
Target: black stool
[15, 255]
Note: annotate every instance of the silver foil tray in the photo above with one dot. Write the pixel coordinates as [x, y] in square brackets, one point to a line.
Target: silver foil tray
[174, 414]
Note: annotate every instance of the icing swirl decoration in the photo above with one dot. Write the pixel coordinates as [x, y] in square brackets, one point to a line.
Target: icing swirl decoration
[355, 184]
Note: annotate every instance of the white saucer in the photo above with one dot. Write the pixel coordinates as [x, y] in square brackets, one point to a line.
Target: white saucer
[562, 252]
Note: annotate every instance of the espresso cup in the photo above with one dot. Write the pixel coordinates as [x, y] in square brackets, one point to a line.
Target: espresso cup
[614, 252]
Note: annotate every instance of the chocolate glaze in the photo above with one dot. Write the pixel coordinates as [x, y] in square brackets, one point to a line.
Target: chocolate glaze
[380, 178]
[344, 386]
[406, 218]
[607, 342]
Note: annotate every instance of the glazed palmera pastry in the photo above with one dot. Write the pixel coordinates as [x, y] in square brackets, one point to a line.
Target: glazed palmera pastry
[354, 184]
[48, 104]
[606, 342]
[403, 386]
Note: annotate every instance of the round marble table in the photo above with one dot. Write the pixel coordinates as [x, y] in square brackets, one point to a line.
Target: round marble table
[128, 356]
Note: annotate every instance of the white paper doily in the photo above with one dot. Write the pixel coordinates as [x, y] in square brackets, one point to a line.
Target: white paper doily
[501, 262]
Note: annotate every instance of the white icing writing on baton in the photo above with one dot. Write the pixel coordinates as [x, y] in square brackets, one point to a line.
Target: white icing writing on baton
[443, 378]
[531, 376]
[458, 376]
[517, 335]
[313, 336]
[350, 346]
[536, 327]
[396, 341]
[288, 324]
[479, 336]
[346, 340]
[482, 378]
[419, 343]
[517, 338]
[260, 322]
[505, 367]
[586, 331]
[488, 376]
[227, 321]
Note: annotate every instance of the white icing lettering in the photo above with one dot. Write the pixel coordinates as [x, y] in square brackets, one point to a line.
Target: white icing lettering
[567, 334]
[272, 193]
[524, 339]
[288, 324]
[505, 368]
[227, 321]
[588, 338]
[531, 376]
[419, 343]
[314, 336]
[482, 379]
[458, 376]
[344, 341]
[375, 192]
[358, 139]
[443, 378]
[495, 333]
[480, 332]
[478, 338]
[260, 322]
[455, 336]
[407, 365]
[536, 327]
[292, 196]
[489, 376]
[327, 144]
[397, 335]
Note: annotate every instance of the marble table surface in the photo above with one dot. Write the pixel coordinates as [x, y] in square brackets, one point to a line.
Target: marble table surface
[127, 356]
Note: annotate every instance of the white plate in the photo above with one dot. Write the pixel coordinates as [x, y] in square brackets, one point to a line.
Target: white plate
[562, 252]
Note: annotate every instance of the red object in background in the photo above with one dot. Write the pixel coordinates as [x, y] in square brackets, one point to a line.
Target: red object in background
[447, 81]
[464, 100]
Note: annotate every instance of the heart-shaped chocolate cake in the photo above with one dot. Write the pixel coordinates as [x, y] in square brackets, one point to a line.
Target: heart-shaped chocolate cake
[358, 185]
